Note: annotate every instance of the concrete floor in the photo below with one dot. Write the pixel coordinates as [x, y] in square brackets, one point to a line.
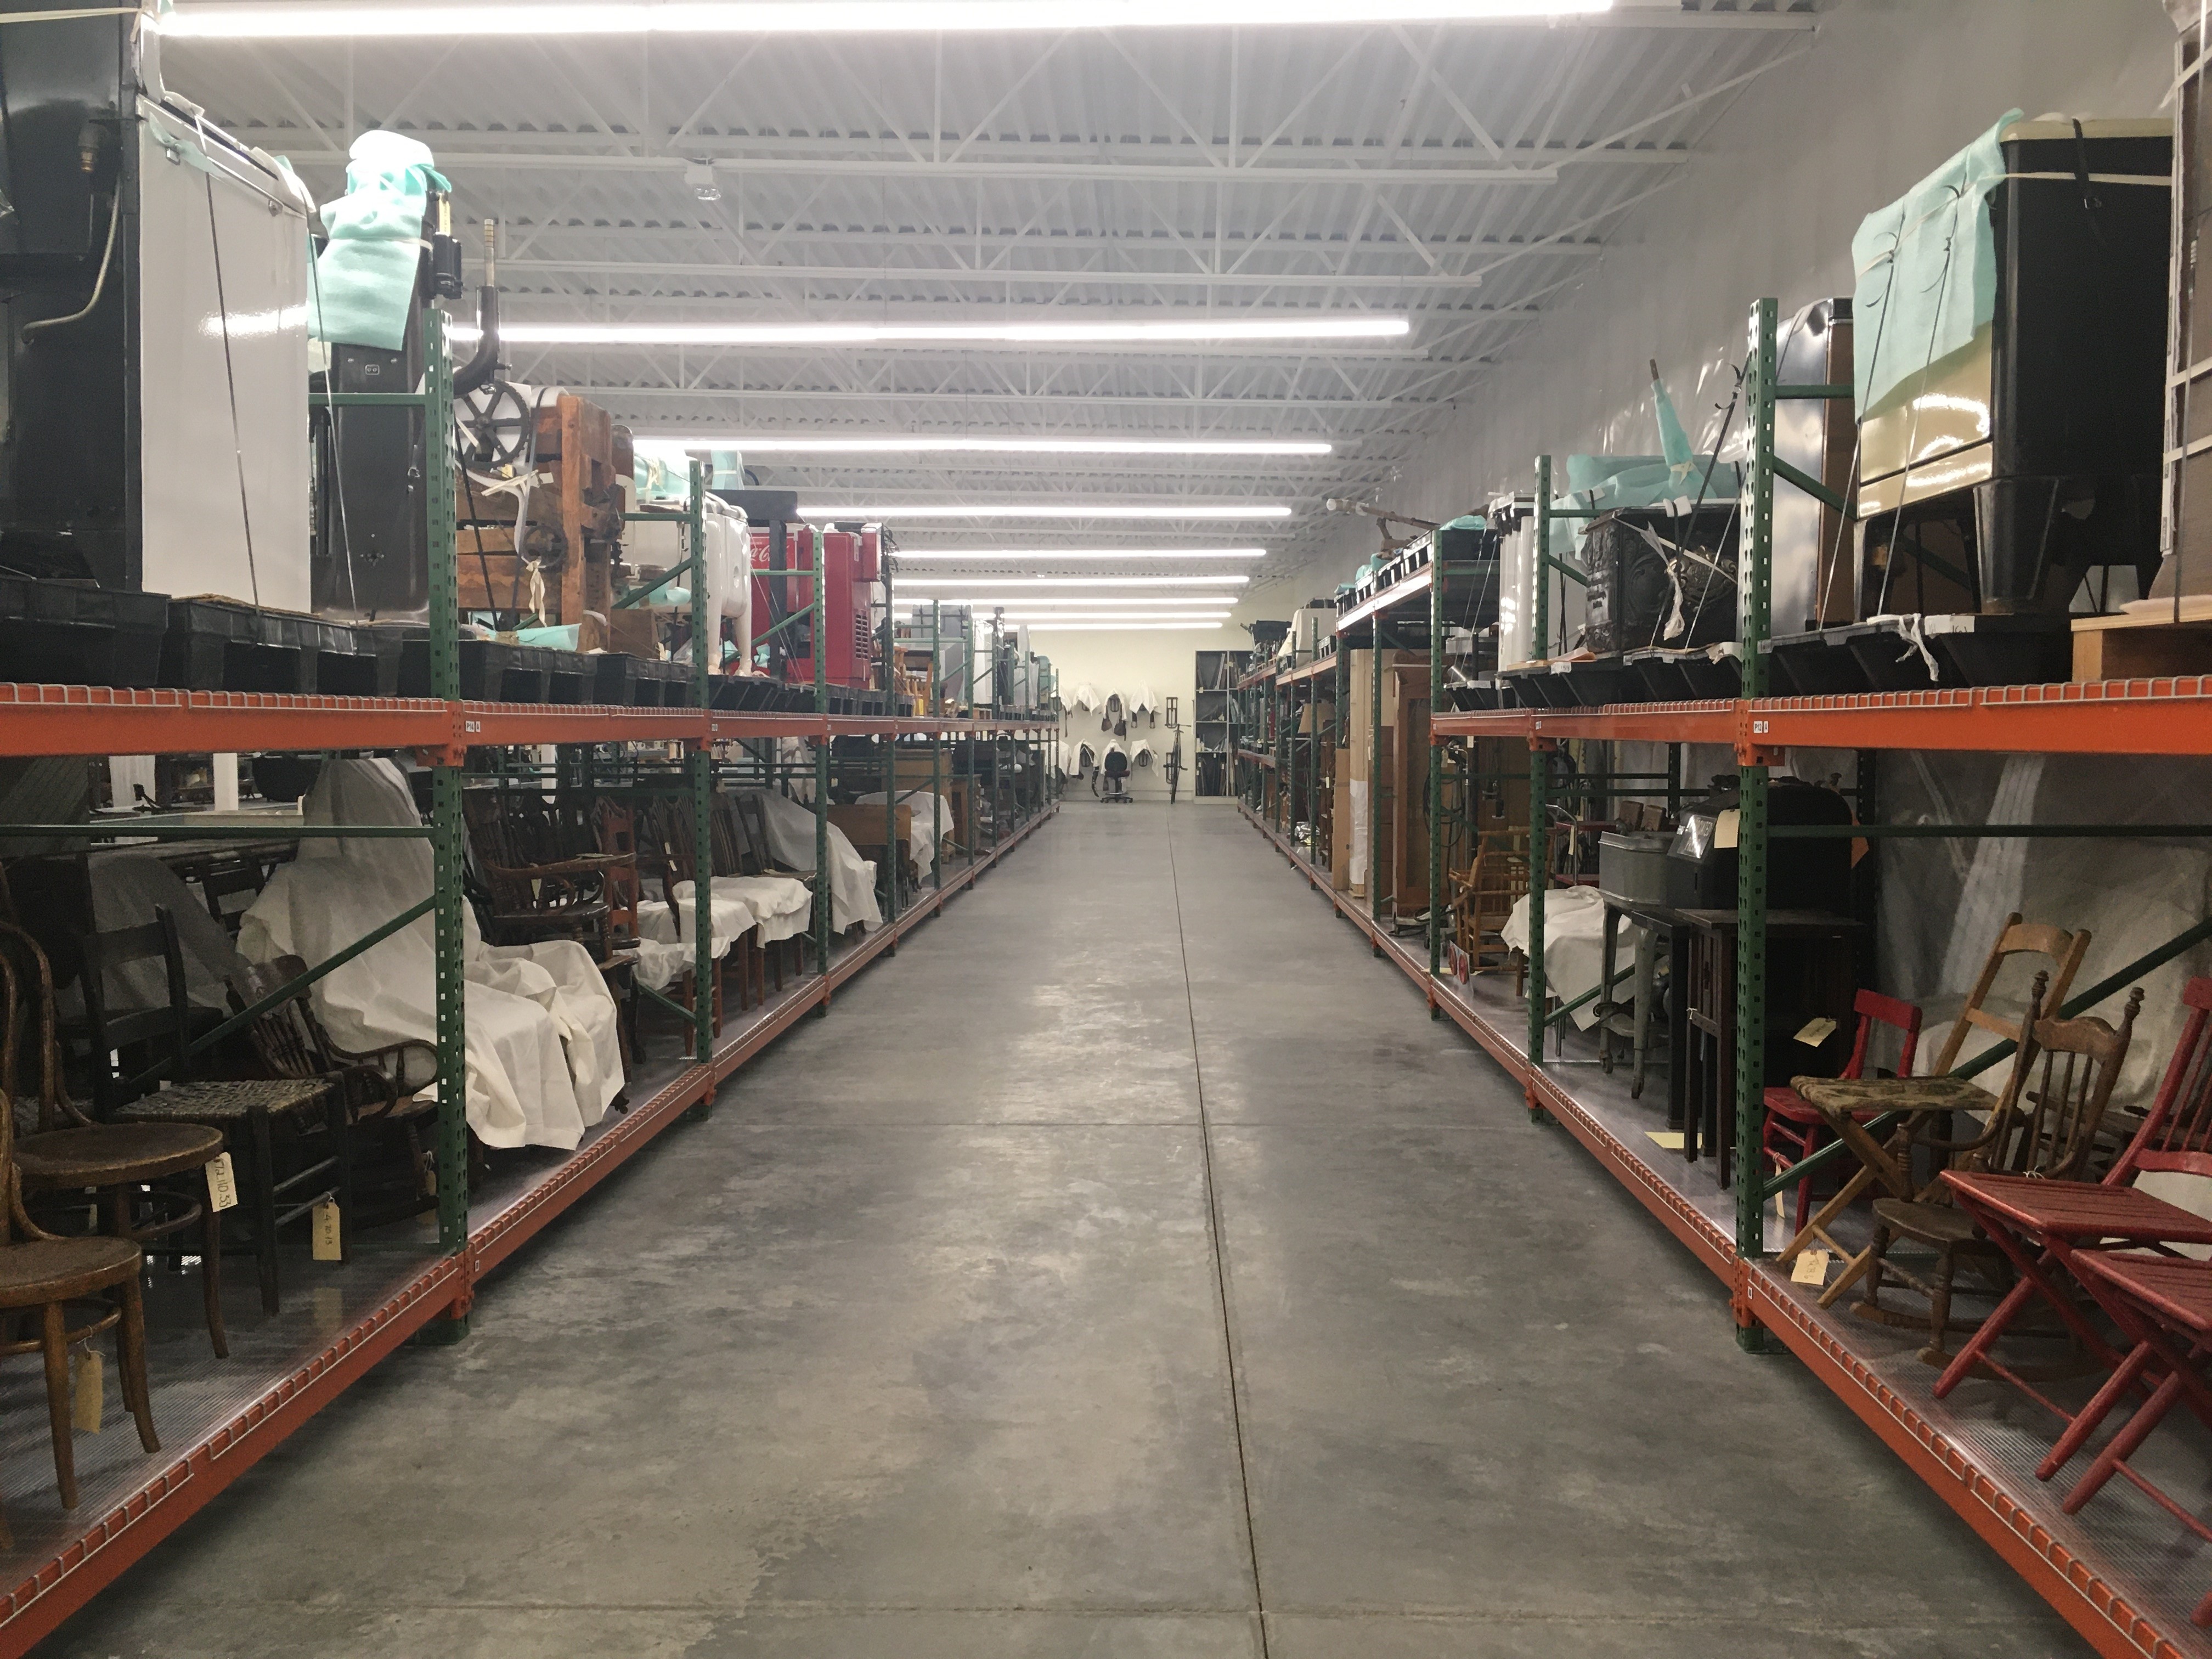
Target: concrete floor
[1127, 1269]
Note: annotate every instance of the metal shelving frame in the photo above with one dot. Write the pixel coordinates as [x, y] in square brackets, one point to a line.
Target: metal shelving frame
[431, 1302]
[2108, 1588]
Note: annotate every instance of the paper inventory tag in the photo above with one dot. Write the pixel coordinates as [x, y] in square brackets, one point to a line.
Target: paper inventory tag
[222, 1185]
[1810, 1268]
[328, 1247]
[1817, 1031]
[85, 1390]
[1728, 829]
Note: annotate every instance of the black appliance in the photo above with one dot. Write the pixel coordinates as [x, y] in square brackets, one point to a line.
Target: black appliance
[2063, 424]
[1812, 874]
[1638, 559]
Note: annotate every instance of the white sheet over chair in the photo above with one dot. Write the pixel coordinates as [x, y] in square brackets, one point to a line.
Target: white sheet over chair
[779, 904]
[852, 878]
[543, 1058]
[1574, 945]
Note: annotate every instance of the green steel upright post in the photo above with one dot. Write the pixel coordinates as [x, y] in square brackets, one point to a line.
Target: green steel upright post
[1436, 759]
[704, 650]
[1752, 821]
[889, 740]
[826, 924]
[936, 747]
[1374, 788]
[1539, 778]
[449, 992]
[1286, 748]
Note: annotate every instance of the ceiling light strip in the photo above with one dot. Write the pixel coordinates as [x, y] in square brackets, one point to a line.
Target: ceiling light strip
[970, 582]
[523, 20]
[1000, 554]
[1055, 510]
[769, 444]
[1340, 326]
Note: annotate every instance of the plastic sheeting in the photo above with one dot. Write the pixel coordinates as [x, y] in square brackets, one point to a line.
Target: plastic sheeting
[1927, 271]
[363, 291]
[791, 829]
[543, 1058]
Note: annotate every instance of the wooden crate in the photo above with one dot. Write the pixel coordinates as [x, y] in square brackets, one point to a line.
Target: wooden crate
[2145, 644]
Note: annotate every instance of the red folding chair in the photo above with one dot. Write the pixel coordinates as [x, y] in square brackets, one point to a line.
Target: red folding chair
[2163, 1304]
[2043, 1225]
[1795, 1127]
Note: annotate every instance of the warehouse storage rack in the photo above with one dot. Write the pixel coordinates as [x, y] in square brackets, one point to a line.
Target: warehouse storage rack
[2110, 1569]
[217, 1418]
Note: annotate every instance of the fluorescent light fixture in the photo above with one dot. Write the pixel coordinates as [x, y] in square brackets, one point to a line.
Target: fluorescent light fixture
[1215, 604]
[989, 555]
[1052, 510]
[773, 444]
[1339, 326]
[970, 582]
[1041, 619]
[521, 21]
[1120, 628]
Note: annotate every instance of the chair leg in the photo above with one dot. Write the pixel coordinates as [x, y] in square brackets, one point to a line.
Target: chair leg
[211, 1278]
[340, 1119]
[53, 1343]
[1870, 1296]
[1939, 1310]
[131, 1363]
[265, 1211]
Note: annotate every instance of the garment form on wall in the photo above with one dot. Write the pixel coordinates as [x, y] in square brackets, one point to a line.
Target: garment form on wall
[544, 1059]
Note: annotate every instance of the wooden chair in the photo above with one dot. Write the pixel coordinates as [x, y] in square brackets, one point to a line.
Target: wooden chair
[147, 1177]
[537, 890]
[1795, 1127]
[2045, 1136]
[237, 875]
[380, 1105]
[2163, 1307]
[663, 841]
[1848, 1104]
[249, 1112]
[1485, 896]
[2046, 1230]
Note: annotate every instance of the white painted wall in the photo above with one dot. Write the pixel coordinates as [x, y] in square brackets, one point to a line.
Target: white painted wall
[1166, 661]
[1887, 89]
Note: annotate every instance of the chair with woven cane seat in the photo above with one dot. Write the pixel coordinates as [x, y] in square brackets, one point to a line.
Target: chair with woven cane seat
[247, 1111]
[2046, 1135]
[1851, 1107]
[148, 1176]
[41, 1273]
[381, 1103]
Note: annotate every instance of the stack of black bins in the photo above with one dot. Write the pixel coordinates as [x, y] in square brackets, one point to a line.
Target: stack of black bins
[1920, 653]
[77, 633]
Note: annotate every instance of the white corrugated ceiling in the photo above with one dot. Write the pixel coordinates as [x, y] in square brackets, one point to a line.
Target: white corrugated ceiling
[1465, 176]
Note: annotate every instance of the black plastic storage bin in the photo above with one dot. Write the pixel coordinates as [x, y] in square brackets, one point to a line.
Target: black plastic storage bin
[221, 645]
[71, 633]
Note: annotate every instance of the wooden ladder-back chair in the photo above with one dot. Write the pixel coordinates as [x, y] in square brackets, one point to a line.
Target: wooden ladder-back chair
[2043, 1134]
[149, 1177]
[1924, 1103]
[1495, 881]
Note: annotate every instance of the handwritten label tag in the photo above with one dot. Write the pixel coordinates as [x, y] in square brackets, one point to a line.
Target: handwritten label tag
[85, 1393]
[1817, 1031]
[222, 1185]
[1810, 1268]
[328, 1246]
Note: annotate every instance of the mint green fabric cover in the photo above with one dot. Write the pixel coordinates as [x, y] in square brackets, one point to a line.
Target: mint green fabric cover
[363, 291]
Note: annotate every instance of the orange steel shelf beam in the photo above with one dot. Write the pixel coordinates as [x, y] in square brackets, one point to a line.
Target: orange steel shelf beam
[2108, 717]
[98, 720]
